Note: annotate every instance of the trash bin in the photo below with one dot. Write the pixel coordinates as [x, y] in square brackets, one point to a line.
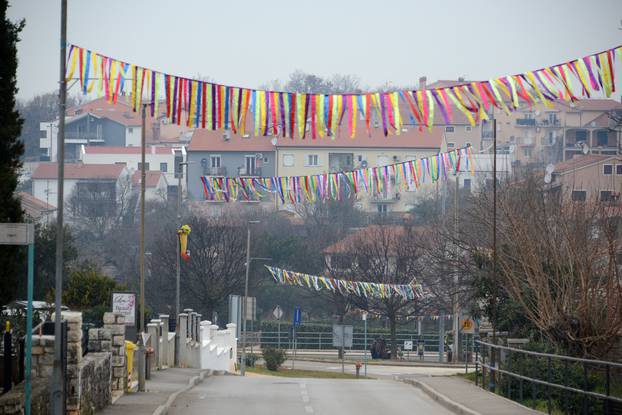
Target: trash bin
[129, 352]
[149, 355]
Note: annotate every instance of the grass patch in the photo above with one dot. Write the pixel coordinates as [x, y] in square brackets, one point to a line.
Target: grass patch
[299, 373]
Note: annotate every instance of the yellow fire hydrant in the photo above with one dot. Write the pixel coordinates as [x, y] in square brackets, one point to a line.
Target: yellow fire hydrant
[129, 353]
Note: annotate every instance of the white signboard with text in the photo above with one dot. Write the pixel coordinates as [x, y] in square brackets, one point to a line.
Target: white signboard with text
[125, 303]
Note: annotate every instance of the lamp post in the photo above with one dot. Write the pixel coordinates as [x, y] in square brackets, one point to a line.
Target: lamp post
[365, 321]
[245, 299]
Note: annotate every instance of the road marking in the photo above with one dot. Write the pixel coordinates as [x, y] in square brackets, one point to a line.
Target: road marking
[304, 392]
[303, 385]
[305, 399]
[309, 409]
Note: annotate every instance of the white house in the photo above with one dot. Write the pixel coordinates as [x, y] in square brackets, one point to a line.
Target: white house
[157, 158]
[156, 185]
[111, 179]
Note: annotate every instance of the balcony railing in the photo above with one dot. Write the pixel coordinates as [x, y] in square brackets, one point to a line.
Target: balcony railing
[385, 197]
[242, 171]
[71, 135]
[215, 171]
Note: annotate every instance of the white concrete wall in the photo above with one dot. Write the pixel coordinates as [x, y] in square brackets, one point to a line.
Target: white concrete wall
[47, 189]
[132, 136]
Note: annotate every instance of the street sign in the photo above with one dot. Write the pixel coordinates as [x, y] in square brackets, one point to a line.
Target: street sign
[17, 233]
[467, 326]
[342, 335]
[278, 312]
[297, 316]
[364, 316]
[125, 303]
[408, 344]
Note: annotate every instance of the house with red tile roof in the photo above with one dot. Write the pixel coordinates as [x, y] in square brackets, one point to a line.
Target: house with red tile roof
[36, 209]
[156, 185]
[101, 123]
[112, 180]
[591, 177]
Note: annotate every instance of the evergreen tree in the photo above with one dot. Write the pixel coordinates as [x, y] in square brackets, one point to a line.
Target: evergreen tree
[11, 150]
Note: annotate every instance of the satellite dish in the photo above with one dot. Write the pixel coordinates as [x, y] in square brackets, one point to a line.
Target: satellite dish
[273, 141]
[550, 168]
[585, 148]
[548, 178]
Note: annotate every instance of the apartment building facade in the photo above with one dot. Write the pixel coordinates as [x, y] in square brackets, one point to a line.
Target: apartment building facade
[591, 177]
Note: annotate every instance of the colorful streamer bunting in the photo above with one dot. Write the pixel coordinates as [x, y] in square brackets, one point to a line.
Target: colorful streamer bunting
[407, 175]
[410, 291]
[203, 104]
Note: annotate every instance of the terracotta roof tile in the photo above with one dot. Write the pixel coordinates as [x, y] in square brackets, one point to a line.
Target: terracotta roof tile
[79, 171]
[152, 178]
[580, 161]
[126, 150]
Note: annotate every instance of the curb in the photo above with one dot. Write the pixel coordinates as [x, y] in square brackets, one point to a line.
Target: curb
[195, 380]
[453, 406]
[418, 364]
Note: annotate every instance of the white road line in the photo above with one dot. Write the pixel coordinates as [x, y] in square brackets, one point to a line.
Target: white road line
[309, 409]
[304, 392]
[305, 398]
[302, 385]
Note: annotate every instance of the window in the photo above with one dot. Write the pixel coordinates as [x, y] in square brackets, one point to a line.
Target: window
[581, 135]
[313, 160]
[468, 128]
[122, 163]
[449, 129]
[618, 169]
[214, 161]
[607, 169]
[164, 167]
[140, 166]
[250, 165]
[451, 144]
[606, 196]
[99, 133]
[43, 134]
[130, 130]
[578, 195]
[602, 138]
[467, 185]
[382, 209]
[527, 151]
[288, 160]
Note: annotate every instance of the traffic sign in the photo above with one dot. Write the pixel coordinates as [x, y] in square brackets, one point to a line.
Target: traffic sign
[408, 344]
[342, 335]
[467, 326]
[278, 312]
[297, 316]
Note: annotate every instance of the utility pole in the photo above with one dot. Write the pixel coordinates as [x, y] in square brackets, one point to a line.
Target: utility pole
[57, 383]
[456, 354]
[494, 250]
[248, 265]
[142, 218]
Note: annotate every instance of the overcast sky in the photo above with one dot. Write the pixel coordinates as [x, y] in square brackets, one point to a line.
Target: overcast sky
[247, 43]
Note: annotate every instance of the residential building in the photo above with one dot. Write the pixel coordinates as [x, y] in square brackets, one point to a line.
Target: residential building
[37, 210]
[589, 177]
[156, 185]
[339, 153]
[212, 153]
[101, 123]
[157, 158]
[109, 182]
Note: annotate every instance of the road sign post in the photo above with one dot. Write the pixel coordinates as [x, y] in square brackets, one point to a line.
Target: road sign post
[278, 313]
[467, 326]
[365, 324]
[297, 320]
[24, 234]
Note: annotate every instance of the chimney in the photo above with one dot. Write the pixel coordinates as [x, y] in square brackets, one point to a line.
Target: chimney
[461, 79]
[422, 82]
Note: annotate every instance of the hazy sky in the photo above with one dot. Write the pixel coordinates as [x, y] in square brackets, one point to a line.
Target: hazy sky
[247, 43]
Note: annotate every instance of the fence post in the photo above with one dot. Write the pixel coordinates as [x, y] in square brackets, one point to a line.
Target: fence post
[476, 363]
[548, 388]
[320, 340]
[607, 390]
[533, 386]
[483, 366]
[585, 382]
[7, 358]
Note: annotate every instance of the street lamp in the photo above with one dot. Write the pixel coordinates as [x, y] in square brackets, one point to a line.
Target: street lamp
[248, 266]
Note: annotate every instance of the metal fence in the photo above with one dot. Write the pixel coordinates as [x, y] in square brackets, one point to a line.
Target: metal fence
[572, 385]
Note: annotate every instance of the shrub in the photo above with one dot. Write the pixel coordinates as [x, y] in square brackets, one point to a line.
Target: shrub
[251, 358]
[274, 358]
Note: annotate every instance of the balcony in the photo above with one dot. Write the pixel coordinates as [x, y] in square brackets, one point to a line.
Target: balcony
[385, 197]
[549, 123]
[243, 171]
[525, 122]
[215, 171]
[82, 138]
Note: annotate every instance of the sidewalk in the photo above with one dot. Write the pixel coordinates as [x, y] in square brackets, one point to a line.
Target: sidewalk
[463, 397]
[162, 385]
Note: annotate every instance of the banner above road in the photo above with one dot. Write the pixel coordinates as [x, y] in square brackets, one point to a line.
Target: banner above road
[202, 104]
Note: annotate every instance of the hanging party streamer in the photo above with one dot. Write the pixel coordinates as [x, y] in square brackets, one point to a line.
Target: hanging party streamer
[410, 291]
[407, 175]
[203, 104]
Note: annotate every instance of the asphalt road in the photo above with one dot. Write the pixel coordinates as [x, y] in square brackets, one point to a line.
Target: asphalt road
[271, 395]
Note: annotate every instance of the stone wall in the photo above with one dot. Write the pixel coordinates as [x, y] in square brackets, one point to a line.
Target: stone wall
[115, 323]
[12, 403]
[74, 359]
[95, 382]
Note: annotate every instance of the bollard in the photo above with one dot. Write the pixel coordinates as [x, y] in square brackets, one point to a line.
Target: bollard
[8, 369]
[358, 366]
[141, 366]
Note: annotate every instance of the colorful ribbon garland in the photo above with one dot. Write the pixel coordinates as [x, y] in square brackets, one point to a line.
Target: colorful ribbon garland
[410, 291]
[214, 106]
[381, 180]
